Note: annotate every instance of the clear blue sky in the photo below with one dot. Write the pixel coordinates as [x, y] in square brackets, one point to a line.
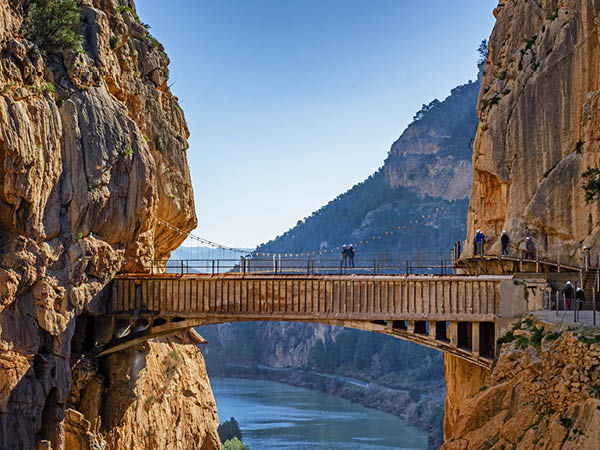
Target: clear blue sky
[292, 102]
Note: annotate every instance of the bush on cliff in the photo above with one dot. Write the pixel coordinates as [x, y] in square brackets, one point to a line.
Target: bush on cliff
[234, 444]
[54, 25]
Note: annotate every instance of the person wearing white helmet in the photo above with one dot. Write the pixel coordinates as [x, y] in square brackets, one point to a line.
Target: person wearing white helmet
[505, 240]
[568, 294]
[529, 248]
[580, 298]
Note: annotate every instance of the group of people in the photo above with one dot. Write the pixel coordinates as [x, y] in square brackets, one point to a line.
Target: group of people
[348, 256]
[479, 243]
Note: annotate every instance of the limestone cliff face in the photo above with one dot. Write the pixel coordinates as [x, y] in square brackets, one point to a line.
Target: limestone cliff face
[433, 155]
[167, 381]
[539, 127]
[535, 398]
[92, 161]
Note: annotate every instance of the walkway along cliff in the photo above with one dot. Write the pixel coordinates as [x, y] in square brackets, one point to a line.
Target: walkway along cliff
[92, 154]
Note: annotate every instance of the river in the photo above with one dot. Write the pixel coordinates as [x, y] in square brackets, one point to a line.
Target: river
[275, 416]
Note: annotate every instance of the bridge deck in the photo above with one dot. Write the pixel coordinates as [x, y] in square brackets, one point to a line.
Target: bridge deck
[295, 297]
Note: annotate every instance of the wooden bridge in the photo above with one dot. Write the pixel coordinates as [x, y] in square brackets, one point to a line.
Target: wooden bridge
[458, 314]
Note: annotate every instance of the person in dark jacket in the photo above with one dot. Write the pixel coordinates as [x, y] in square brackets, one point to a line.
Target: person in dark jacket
[568, 294]
[505, 240]
[529, 248]
[479, 242]
[344, 256]
[351, 256]
[580, 298]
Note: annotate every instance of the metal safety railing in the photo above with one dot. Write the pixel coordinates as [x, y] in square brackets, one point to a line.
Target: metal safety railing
[366, 264]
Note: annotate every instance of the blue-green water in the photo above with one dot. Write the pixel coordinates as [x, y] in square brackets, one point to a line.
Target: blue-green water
[275, 416]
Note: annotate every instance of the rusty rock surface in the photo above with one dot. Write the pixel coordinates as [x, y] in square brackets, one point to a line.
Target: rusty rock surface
[541, 397]
[92, 162]
[151, 385]
[539, 128]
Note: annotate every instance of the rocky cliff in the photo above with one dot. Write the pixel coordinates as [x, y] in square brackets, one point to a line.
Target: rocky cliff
[92, 162]
[539, 127]
[542, 393]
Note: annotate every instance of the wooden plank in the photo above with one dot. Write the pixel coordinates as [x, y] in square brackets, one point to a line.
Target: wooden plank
[244, 296]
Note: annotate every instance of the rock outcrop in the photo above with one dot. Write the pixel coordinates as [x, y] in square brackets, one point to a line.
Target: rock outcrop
[542, 394]
[433, 155]
[167, 380]
[92, 165]
[539, 128]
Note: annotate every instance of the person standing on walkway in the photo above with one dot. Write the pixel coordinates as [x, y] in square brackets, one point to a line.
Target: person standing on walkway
[529, 248]
[505, 240]
[351, 255]
[344, 256]
[580, 298]
[568, 294]
[479, 242]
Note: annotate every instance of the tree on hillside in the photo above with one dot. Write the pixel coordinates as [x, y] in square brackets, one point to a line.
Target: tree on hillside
[591, 184]
[54, 24]
[483, 52]
[229, 430]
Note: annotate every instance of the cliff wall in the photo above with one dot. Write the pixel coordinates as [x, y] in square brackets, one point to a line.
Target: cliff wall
[542, 394]
[92, 159]
[539, 128]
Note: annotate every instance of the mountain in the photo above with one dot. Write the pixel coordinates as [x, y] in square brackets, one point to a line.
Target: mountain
[417, 201]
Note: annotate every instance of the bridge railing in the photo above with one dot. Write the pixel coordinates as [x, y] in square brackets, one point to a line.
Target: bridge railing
[387, 264]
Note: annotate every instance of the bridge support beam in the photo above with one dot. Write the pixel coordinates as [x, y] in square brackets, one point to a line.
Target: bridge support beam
[453, 334]
[475, 341]
[432, 329]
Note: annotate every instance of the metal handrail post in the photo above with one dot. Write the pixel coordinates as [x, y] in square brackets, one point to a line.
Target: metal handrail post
[213, 266]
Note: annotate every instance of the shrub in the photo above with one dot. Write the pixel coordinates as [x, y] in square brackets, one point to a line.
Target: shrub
[529, 42]
[49, 88]
[113, 41]
[53, 25]
[591, 184]
[234, 444]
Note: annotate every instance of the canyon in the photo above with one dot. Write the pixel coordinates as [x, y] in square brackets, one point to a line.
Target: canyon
[93, 164]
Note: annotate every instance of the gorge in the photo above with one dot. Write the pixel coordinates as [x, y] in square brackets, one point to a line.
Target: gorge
[93, 149]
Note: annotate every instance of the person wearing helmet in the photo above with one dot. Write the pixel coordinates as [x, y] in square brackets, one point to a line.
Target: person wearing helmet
[505, 240]
[580, 297]
[479, 242]
[568, 294]
[529, 248]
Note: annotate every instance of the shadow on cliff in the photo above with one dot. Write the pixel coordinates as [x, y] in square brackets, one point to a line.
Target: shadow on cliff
[121, 371]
